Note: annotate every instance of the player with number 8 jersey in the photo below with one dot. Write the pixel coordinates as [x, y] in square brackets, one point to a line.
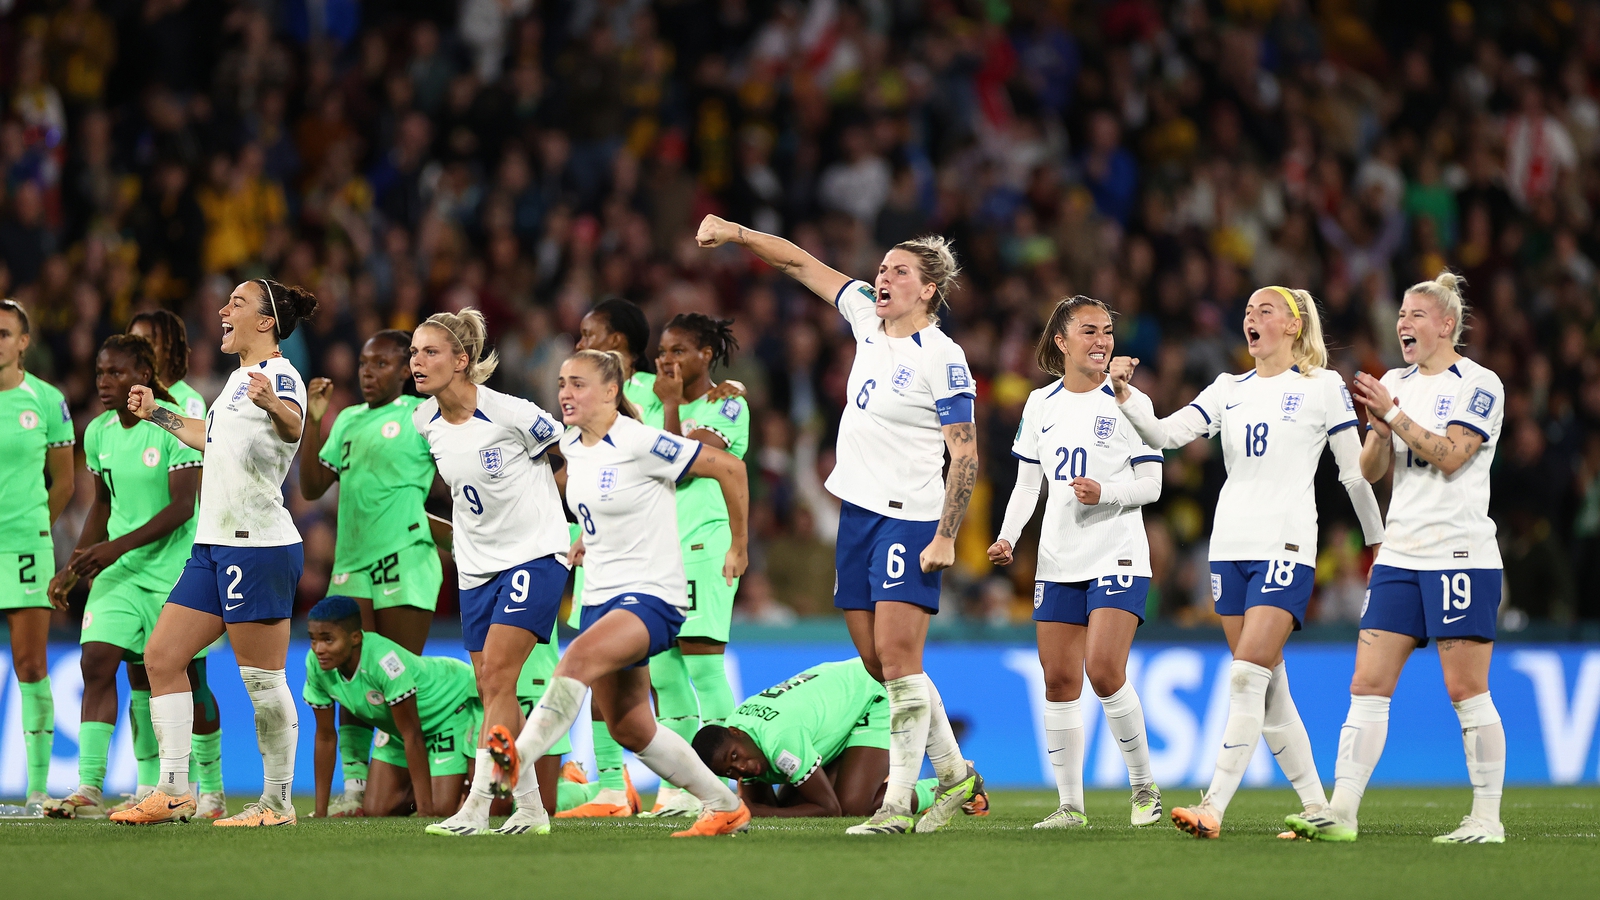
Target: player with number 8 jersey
[1274, 422]
[508, 534]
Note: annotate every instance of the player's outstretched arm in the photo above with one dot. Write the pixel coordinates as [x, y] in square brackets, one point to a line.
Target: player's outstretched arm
[315, 476]
[142, 403]
[409, 723]
[730, 474]
[324, 752]
[817, 800]
[182, 486]
[1170, 433]
[776, 252]
[961, 439]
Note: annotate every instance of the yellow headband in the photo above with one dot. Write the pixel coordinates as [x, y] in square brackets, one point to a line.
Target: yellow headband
[1288, 295]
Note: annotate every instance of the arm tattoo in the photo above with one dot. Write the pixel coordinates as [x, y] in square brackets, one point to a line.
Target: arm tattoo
[1431, 446]
[962, 479]
[740, 238]
[167, 419]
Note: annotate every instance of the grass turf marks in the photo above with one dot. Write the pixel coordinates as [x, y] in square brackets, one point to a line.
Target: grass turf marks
[1552, 845]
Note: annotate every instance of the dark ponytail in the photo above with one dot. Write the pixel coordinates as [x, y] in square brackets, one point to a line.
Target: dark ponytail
[708, 332]
[144, 355]
[288, 306]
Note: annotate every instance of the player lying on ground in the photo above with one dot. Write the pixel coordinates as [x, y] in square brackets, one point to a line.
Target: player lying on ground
[1437, 424]
[815, 745]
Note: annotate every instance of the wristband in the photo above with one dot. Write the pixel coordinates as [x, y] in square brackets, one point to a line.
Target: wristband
[1389, 417]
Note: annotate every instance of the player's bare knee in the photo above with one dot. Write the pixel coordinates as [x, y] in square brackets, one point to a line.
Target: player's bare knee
[1464, 685]
[29, 669]
[1106, 677]
[1062, 687]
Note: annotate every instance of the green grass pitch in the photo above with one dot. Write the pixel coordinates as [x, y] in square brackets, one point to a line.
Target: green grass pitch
[1552, 850]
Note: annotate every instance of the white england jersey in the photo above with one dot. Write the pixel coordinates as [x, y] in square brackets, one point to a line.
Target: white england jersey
[241, 488]
[1273, 433]
[1438, 521]
[1084, 435]
[504, 508]
[624, 492]
[891, 442]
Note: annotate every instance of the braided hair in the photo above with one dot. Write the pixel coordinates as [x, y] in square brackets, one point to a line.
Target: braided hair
[708, 332]
[171, 341]
[144, 355]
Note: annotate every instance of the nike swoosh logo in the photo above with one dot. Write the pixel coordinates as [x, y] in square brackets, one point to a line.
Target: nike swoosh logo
[1228, 746]
[1047, 428]
[1129, 740]
[515, 609]
[388, 591]
[1114, 593]
[890, 584]
[172, 805]
[1232, 405]
[233, 607]
[1449, 619]
[1267, 590]
[32, 591]
[1058, 750]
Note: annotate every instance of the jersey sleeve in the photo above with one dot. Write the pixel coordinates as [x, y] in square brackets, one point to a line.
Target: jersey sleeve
[288, 384]
[1211, 401]
[1138, 450]
[791, 755]
[314, 694]
[660, 455]
[1339, 405]
[951, 385]
[332, 455]
[91, 448]
[731, 422]
[59, 432]
[1026, 445]
[536, 429]
[1480, 404]
[857, 302]
[399, 682]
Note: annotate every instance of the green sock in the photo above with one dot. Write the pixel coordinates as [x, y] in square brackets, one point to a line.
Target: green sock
[711, 686]
[677, 707]
[571, 795]
[607, 758]
[94, 742]
[927, 789]
[355, 748]
[205, 761]
[145, 749]
[38, 730]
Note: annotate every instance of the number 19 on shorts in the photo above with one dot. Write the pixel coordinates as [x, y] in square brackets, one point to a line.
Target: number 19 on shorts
[1457, 590]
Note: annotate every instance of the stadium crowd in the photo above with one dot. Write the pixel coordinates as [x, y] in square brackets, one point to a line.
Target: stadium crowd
[532, 158]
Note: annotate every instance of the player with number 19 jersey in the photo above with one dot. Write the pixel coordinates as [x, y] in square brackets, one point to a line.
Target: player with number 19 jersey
[890, 468]
[509, 535]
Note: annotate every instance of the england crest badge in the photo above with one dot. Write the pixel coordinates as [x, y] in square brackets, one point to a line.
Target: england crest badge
[493, 460]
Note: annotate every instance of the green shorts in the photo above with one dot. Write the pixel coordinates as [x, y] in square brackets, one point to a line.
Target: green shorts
[451, 748]
[531, 683]
[408, 577]
[872, 729]
[710, 596]
[121, 613]
[25, 577]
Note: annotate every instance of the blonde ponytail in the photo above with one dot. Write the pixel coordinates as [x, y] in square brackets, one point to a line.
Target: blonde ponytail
[469, 331]
[1310, 351]
[610, 365]
[1445, 290]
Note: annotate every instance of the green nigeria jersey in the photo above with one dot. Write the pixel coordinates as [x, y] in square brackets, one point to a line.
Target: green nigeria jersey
[134, 464]
[385, 469]
[387, 674]
[641, 392]
[189, 401]
[802, 724]
[33, 419]
[701, 509]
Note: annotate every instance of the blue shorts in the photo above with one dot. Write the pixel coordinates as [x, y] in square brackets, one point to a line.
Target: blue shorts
[1071, 602]
[1448, 603]
[661, 618]
[1237, 585]
[240, 584]
[527, 597]
[878, 558]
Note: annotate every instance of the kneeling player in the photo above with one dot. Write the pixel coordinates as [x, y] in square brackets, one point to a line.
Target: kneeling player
[425, 708]
[821, 737]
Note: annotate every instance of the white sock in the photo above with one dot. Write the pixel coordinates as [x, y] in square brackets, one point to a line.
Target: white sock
[1361, 739]
[1125, 718]
[1063, 736]
[172, 717]
[526, 792]
[1484, 738]
[909, 715]
[943, 751]
[550, 719]
[1285, 734]
[480, 796]
[277, 732]
[671, 757]
[1247, 702]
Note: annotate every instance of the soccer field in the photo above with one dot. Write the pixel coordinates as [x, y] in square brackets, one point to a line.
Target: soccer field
[1552, 849]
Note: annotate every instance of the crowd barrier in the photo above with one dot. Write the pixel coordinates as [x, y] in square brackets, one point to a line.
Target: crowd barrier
[1548, 695]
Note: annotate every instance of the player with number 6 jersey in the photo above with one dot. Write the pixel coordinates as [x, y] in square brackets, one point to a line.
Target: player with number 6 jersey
[909, 399]
[508, 534]
[1436, 424]
[1094, 558]
[1274, 422]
